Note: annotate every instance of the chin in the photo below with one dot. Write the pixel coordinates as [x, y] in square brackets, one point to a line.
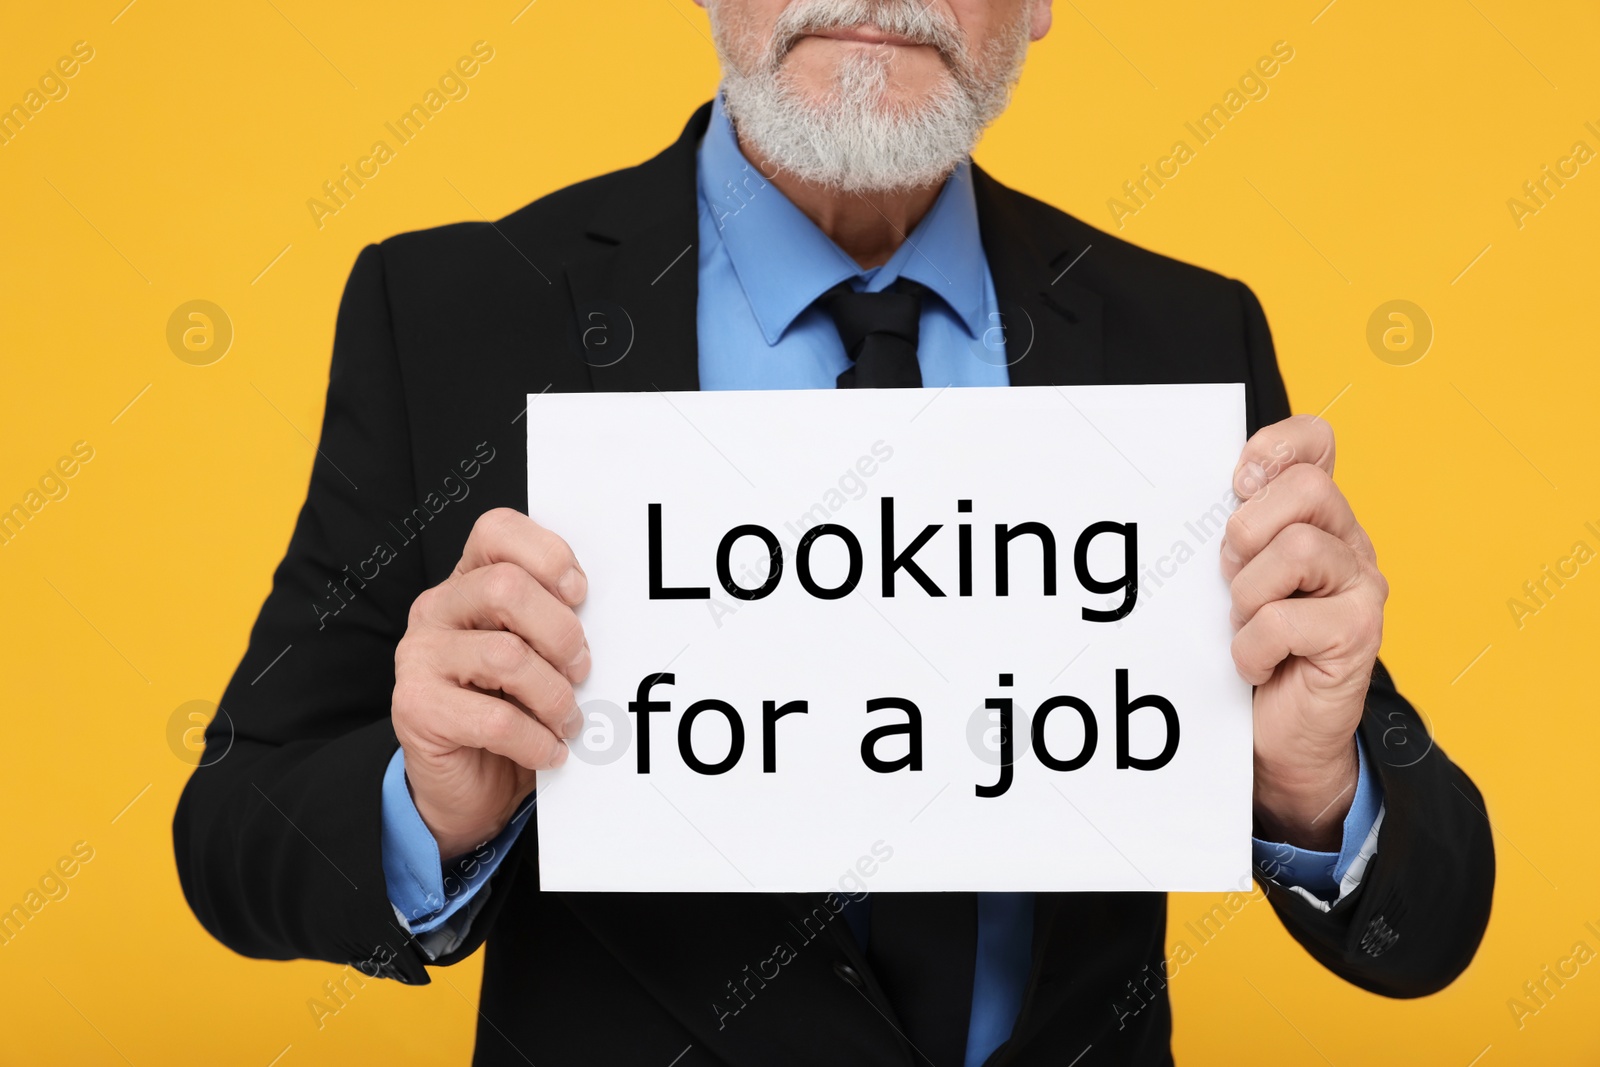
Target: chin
[908, 75]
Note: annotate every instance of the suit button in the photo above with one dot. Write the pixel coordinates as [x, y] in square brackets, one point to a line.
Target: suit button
[849, 975]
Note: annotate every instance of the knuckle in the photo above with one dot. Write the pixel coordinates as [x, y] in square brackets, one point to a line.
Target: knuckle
[429, 652]
[422, 609]
[1371, 631]
[504, 654]
[498, 727]
[493, 525]
[408, 698]
[1362, 630]
[1302, 542]
[1273, 623]
[502, 584]
[406, 655]
[1307, 478]
[414, 651]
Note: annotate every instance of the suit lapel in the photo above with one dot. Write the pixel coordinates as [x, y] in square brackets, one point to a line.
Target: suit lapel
[634, 287]
[1052, 324]
[635, 283]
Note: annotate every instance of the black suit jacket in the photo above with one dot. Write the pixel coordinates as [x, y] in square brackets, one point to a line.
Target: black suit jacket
[440, 335]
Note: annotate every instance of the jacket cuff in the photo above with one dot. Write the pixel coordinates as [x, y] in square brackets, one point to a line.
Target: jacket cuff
[1325, 878]
[426, 892]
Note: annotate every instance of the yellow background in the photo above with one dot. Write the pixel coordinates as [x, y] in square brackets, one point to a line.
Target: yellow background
[179, 165]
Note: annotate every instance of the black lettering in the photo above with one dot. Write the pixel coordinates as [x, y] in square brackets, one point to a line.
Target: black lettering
[770, 714]
[642, 706]
[657, 591]
[1125, 710]
[774, 562]
[1007, 745]
[802, 563]
[1004, 535]
[912, 728]
[1091, 733]
[686, 729]
[964, 545]
[1129, 582]
[904, 561]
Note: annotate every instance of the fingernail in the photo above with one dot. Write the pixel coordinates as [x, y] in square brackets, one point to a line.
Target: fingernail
[574, 724]
[562, 752]
[580, 661]
[573, 586]
[1230, 555]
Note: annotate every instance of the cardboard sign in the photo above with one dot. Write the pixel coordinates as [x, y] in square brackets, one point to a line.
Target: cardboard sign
[895, 640]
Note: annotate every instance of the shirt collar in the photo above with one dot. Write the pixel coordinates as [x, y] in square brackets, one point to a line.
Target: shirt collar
[784, 262]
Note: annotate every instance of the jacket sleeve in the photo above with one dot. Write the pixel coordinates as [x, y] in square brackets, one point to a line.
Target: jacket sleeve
[278, 833]
[1417, 917]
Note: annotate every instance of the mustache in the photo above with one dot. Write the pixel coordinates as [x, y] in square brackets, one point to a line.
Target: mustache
[910, 19]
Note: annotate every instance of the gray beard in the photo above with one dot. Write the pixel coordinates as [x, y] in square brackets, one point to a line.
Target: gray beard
[851, 140]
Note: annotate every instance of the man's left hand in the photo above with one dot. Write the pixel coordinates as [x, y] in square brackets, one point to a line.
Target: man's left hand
[1308, 609]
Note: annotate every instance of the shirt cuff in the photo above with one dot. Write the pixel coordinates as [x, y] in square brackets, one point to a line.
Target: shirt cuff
[424, 891]
[1330, 876]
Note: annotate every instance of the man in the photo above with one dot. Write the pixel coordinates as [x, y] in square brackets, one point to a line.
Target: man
[819, 224]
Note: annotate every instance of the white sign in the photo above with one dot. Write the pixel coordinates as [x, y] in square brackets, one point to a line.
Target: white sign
[967, 639]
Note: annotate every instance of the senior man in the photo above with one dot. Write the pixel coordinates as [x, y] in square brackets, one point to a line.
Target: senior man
[817, 225]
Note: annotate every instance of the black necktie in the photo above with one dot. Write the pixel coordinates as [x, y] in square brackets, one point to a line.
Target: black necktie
[923, 947]
[879, 331]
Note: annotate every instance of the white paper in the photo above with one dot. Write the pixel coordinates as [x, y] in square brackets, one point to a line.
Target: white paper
[1160, 457]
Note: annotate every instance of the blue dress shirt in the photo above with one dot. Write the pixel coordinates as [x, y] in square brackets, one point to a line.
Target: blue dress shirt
[762, 265]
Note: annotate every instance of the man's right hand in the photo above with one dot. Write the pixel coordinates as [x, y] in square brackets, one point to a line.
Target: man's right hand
[484, 676]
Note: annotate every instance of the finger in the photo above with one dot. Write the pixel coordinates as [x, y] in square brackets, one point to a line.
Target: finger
[1274, 449]
[506, 536]
[1334, 634]
[1301, 559]
[499, 661]
[466, 719]
[503, 596]
[1303, 493]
